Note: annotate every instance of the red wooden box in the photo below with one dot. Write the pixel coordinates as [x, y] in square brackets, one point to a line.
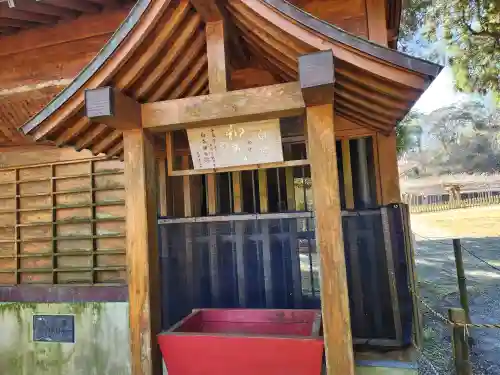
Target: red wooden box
[244, 342]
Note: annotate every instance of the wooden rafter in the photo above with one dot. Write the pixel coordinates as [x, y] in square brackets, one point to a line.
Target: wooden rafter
[26, 14]
[209, 10]
[374, 86]
[142, 60]
[46, 9]
[81, 6]
[195, 61]
[173, 53]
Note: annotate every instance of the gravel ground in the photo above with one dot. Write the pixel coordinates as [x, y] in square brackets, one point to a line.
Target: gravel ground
[438, 287]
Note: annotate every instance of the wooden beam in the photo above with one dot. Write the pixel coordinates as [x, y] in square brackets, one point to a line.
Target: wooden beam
[260, 103]
[322, 155]
[142, 252]
[107, 105]
[237, 186]
[217, 78]
[263, 191]
[347, 169]
[163, 188]
[187, 189]
[249, 167]
[211, 194]
[213, 11]
[289, 181]
[388, 168]
[377, 24]
[218, 72]
[210, 10]
[376, 164]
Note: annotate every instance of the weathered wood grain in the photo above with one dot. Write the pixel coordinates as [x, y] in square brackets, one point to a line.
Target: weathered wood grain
[388, 168]
[254, 104]
[376, 20]
[325, 179]
[142, 252]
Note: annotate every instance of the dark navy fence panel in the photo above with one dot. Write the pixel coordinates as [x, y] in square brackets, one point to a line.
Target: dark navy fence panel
[274, 263]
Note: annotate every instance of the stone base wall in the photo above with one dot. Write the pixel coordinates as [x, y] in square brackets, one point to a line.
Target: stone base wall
[101, 344]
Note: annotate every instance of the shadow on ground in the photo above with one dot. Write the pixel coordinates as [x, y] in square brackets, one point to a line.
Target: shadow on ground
[438, 287]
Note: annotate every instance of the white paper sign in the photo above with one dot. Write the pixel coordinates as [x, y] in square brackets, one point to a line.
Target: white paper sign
[233, 145]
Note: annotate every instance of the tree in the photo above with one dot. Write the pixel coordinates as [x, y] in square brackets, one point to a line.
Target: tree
[470, 33]
[408, 132]
[459, 138]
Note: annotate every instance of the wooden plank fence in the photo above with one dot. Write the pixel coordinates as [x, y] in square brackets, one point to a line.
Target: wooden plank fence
[442, 202]
[63, 223]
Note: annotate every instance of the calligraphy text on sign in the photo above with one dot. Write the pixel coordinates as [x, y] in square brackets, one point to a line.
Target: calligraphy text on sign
[234, 145]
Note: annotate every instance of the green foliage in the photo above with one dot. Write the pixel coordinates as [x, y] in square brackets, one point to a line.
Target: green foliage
[408, 132]
[470, 31]
[463, 137]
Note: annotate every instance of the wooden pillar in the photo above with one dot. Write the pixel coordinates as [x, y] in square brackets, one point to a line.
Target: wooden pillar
[316, 73]
[377, 23]
[266, 239]
[347, 168]
[388, 172]
[142, 252]
[217, 82]
[289, 181]
[385, 154]
[163, 200]
[107, 105]
[237, 187]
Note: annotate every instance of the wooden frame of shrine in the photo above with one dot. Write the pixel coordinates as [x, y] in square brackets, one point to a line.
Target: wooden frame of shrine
[145, 107]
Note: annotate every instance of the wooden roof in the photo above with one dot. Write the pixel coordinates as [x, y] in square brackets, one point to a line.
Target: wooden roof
[17, 15]
[159, 53]
[38, 60]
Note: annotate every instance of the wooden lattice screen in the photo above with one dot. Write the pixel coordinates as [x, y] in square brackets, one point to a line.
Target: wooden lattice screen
[63, 223]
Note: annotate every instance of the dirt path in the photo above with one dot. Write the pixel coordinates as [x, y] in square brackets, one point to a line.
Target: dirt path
[479, 229]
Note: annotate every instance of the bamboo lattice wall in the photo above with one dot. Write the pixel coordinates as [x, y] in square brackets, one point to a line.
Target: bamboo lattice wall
[63, 223]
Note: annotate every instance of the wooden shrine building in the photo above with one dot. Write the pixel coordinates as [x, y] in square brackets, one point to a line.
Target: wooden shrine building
[229, 150]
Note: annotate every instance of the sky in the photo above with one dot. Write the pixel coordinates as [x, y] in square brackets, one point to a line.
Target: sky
[439, 94]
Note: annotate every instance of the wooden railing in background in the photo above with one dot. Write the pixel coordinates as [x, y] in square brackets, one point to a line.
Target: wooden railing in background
[435, 203]
[63, 223]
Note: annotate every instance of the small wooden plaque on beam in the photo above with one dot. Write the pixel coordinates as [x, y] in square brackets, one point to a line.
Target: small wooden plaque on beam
[110, 106]
[236, 145]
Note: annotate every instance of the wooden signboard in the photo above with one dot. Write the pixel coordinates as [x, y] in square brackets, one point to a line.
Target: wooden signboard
[234, 145]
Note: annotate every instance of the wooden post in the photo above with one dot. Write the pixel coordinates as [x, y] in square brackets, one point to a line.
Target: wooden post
[347, 168]
[142, 252]
[376, 20]
[217, 83]
[163, 188]
[317, 82]
[237, 192]
[289, 181]
[462, 286]
[266, 239]
[460, 342]
[388, 168]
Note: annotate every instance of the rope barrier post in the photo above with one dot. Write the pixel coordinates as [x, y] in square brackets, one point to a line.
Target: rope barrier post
[462, 287]
[460, 341]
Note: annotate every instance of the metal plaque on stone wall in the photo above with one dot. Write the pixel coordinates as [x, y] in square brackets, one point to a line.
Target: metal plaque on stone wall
[236, 145]
[54, 328]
